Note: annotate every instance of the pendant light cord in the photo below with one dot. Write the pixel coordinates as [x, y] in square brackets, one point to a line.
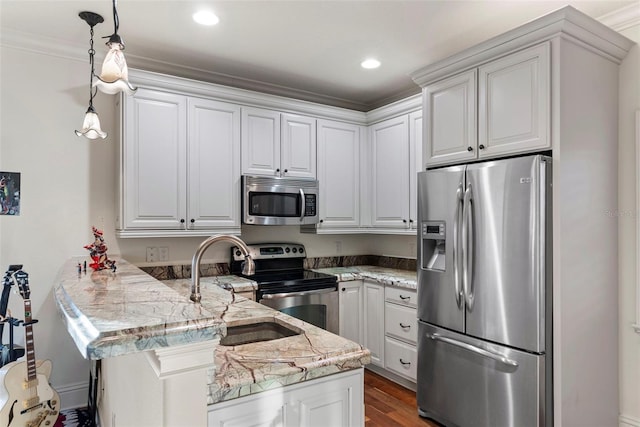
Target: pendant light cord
[116, 21]
[92, 52]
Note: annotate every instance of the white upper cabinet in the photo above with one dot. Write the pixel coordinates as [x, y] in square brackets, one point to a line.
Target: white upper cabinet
[338, 174]
[450, 111]
[512, 104]
[513, 101]
[214, 164]
[390, 173]
[416, 163]
[180, 166]
[260, 142]
[154, 161]
[277, 144]
[298, 151]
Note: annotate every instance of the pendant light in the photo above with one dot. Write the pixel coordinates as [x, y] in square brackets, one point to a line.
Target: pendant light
[91, 125]
[114, 77]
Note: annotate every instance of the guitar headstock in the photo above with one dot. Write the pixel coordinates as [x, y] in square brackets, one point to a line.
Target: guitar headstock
[22, 280]
[6, 280]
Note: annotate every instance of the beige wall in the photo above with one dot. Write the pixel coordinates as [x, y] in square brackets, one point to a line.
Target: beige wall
[629, 215]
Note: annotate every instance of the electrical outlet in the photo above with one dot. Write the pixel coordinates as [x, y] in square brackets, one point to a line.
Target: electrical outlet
[338, 247]
[152, 254]
[163, 253]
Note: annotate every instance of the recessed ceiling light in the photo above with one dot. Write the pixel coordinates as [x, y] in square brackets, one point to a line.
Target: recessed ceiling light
[205, 17]
[370, 63]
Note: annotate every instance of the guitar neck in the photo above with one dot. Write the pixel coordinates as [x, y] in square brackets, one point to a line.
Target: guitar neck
[29, 346]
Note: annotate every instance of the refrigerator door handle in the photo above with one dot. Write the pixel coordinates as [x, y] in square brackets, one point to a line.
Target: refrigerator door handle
[481, 351]
[467, 247]
[456, 246]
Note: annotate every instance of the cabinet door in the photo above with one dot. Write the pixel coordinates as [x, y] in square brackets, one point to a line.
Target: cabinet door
[260, 142]
[332, 402]
[339, 174]
[416, 164]
[154, 160]
[298, 149]
[374, 321]
[390, 174]
[401, 358]
[450, 132]
[514, 110]
[351, 310]
[214, 164]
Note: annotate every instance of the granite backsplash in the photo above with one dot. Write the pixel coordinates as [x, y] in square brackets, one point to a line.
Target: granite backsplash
[169, 272]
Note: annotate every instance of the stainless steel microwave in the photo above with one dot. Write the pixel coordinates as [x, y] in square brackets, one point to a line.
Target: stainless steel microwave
[279, 201]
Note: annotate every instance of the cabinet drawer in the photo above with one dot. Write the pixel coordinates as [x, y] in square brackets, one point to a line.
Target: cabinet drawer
[401, 358]
[401, 322]
[401, 296]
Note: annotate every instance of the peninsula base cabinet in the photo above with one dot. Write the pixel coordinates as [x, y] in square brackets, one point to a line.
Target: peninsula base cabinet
[336, 400]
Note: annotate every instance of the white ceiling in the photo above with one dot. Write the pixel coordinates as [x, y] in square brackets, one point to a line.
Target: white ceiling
[306, 49]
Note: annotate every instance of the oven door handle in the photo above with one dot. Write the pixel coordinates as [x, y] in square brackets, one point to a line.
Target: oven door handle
[298, 294]
[302, 205]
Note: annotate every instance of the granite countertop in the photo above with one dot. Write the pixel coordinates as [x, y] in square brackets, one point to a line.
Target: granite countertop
[250, 368]
[388, 276]
[109, 314]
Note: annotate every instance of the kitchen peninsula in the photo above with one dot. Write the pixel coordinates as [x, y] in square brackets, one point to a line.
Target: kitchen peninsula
[165, 354]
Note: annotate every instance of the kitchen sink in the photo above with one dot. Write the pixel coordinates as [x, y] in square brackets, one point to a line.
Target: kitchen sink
[257, 332]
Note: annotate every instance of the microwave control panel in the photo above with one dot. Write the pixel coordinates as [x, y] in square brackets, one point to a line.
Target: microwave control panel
[310, 205]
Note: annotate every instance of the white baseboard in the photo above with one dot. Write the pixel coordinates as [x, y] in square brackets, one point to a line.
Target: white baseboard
[626, 421]
[73, 395]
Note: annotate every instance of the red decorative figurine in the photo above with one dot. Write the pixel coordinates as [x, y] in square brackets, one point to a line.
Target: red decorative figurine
[98, 252]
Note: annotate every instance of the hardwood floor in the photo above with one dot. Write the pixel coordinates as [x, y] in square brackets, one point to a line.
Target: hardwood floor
[388, 404]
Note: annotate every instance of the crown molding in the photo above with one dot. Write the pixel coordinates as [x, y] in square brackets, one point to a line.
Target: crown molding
[567, 21]
[78, 52]
[623, 18]
[404, 106]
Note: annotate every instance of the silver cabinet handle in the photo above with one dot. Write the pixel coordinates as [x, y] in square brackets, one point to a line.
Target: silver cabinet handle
[303, 207]
[298, 294]
[405, 326]
[481, 351]
[456, 247]
[405, 363]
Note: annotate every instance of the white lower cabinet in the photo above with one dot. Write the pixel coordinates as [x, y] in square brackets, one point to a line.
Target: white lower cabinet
[401, 358]
[374, 321]
[401, 332]
[336, 400]
[351, 310]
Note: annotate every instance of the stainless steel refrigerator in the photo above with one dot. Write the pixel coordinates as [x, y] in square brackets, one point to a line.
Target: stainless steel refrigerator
[484, 293]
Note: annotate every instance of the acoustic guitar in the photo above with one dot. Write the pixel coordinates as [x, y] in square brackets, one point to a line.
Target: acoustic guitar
[26, 397]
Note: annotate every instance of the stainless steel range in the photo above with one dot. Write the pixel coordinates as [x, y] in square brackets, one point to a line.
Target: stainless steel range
[284, 284]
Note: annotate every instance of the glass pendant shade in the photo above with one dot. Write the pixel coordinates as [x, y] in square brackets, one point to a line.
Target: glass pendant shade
[114, 77]
[91, 126]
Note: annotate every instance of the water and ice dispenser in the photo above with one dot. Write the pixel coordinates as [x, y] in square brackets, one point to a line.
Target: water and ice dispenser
[433, 245]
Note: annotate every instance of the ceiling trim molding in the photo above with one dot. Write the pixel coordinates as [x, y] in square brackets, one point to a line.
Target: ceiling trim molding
[623, 18]
[568, 21]
[78, 52]
[245, 97]
[395, 109]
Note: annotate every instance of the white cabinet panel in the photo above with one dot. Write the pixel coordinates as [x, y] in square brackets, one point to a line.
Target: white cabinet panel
[450, 130]
[154, 157]
[260, 142]
[351, 310]
[374, 321]
[298, 150]
[401, 358]
[416, 164]
[514, 101]
[214, 164]
[390, 177]
[401, 296]
[339, 174]
[401, 322]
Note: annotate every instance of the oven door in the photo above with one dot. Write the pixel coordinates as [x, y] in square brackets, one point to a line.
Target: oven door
[279, 201]
[318, 307]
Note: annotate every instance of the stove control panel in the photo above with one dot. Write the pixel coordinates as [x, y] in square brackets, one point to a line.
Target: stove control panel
[271, 251]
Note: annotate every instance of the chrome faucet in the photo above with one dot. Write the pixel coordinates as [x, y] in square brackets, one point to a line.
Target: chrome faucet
[249, 267]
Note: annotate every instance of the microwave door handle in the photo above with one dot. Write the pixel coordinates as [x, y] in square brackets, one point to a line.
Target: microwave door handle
[302, 205]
